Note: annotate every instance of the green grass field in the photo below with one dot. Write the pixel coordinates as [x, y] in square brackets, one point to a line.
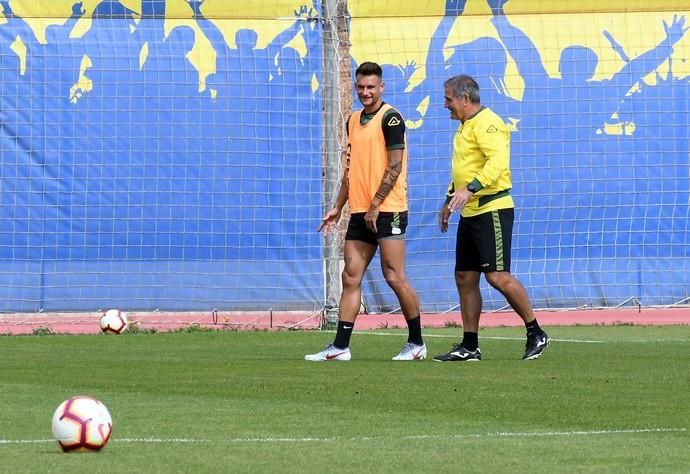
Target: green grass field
[601, 399]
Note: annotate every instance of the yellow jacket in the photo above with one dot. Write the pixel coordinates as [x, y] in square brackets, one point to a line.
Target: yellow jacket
[481, 155]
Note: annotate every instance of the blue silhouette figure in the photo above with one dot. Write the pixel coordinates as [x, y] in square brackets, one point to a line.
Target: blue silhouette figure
[16, 26]
[10, 64]
[660, 112]
[291, 92]
[62, 59]
[31, 85]
[32, 111]
[22, 107]
[241, 78]
[292, 83]
[575, 101]
[60, 33]
[291, 67]
[153, 9]
[113, 10]
[483, 58]
[151, 28]
[396, 79]
[262, 159]
[167, 69]
[291, 87]
[109, 39]
[242, 71]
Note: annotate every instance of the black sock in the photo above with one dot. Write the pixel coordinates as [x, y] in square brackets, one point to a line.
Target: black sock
[414, 327]
[342, 335]
[470, 341]
[533, 327]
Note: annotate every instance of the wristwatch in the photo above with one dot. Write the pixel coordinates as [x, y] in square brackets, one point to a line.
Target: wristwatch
[472, 188]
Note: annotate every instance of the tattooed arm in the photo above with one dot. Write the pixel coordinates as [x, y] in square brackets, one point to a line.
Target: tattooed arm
[394, 136]
[390, 177]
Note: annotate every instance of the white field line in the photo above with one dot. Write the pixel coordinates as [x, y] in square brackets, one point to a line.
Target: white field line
[318, 439]
[503, 338]
[442, 336]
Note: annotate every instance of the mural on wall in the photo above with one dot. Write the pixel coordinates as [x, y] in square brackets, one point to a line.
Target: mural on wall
[170, 151]
[600, 153]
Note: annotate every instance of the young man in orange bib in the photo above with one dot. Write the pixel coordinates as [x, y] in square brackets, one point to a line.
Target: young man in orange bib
[375, 185]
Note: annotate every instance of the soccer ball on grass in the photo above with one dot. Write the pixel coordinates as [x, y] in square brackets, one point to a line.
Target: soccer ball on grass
[114, 321]
[82, 424]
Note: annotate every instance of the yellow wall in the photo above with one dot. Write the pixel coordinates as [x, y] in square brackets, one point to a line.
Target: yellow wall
[638, 26]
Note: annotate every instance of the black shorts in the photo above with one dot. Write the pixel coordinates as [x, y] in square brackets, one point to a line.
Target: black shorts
[483, 242]
[389, 225]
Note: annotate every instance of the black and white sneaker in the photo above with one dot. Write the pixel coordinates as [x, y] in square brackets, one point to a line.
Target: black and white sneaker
[458, 353]
[536, 343]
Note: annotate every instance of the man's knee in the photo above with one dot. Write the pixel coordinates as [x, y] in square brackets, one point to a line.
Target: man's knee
[466, 279]
[499, 280]
[351, 280]
[394, 278]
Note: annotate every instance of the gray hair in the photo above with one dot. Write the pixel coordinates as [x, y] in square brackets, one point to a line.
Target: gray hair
[463, 85]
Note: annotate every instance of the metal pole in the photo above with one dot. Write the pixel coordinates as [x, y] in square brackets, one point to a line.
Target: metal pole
[334, 20]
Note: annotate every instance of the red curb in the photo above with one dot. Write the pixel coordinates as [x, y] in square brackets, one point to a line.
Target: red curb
[87, 323]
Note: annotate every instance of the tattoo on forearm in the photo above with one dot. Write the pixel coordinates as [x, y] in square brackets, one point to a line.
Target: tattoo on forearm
[383, 191]
[390, 177]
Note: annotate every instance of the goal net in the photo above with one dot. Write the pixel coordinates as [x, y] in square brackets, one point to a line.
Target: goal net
[179, 155]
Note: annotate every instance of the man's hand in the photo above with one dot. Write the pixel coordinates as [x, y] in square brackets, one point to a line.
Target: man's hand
[329, 221]
[444, 218]
[459, 200]
[370, 218]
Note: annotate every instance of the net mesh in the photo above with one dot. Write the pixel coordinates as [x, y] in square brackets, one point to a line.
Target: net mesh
[178, 156]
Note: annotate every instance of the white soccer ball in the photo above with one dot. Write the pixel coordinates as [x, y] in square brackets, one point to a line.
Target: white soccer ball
[82, 424]
[114, 321]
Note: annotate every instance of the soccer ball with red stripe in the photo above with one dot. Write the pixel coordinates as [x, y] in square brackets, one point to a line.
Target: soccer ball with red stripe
[114, 321]
[82, 424]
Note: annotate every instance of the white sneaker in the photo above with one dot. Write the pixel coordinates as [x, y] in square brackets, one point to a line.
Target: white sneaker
[412, 351]
[331, 353]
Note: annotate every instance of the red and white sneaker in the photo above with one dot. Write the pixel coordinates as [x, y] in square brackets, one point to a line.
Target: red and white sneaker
[412, 351]
[330, 353]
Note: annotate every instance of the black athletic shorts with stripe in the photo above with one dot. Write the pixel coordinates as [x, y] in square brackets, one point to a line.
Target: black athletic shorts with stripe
[483, 242]
[389, 225]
